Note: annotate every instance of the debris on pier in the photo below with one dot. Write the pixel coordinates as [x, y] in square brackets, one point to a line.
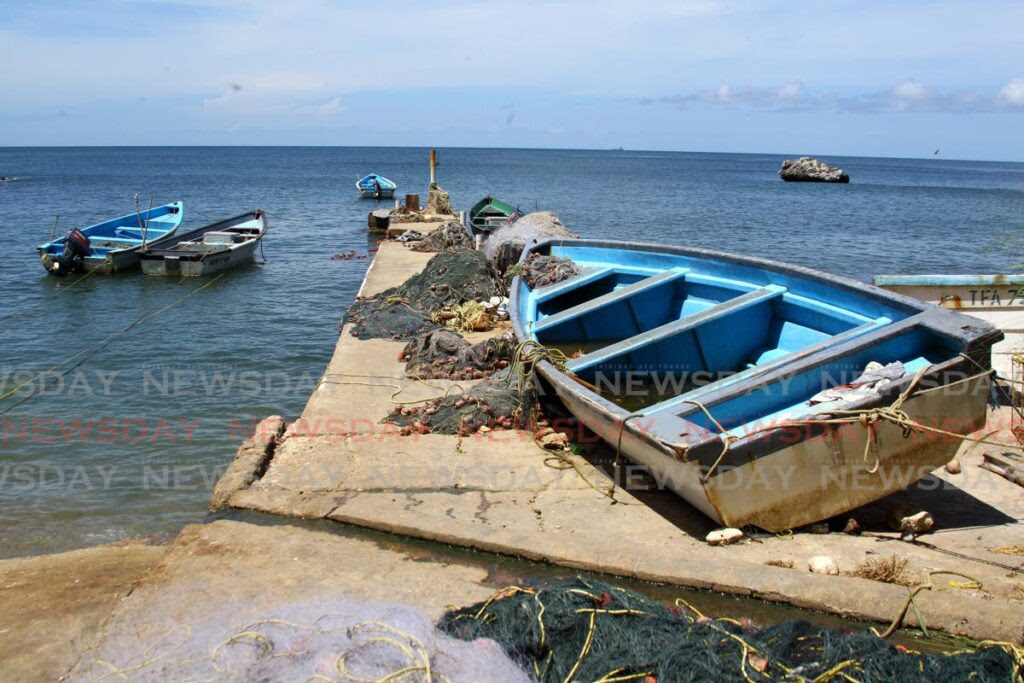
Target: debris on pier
[451, 235]
[402, 312]
[445, 354]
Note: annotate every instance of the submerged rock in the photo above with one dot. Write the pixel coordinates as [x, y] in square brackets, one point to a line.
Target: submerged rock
[810, 170]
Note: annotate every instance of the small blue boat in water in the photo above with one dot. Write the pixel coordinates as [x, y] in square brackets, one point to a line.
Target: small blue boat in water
[762, 393]
[375, 186]
[112, 246]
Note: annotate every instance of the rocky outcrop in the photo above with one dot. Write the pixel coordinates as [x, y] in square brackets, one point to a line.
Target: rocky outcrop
[505, 244]
[809, 170]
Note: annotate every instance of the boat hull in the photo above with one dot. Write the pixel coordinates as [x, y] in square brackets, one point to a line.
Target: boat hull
[757, 443]
[215, 263]
[120, 261]
[382, 194]
[817, 478]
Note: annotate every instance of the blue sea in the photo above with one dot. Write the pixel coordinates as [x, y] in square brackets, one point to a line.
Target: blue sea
[127, 430]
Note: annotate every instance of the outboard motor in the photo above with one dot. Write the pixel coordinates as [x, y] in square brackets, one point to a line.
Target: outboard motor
[76, 248]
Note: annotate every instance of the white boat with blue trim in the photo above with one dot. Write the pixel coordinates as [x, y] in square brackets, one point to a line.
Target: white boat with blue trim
[998, 299]
[763, 393]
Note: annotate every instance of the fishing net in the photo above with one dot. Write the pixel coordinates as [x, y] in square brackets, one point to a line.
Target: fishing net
[386, 319]
[590, 631]
[445, 354]
[449, 278]
[451, 235]
[326, 641]
[506, 244]
[495, 403]
[541, 270]
[404, 215]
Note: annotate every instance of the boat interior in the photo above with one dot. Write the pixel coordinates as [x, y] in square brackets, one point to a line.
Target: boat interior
[651, 333]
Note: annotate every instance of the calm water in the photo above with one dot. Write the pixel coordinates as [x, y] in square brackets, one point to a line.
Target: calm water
[130, 442]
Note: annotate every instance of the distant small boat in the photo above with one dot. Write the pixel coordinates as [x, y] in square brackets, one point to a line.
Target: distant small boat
[489, 214]
[375, 186]
[209, 249]
[762, 393]
[112, 246]
[998, 299]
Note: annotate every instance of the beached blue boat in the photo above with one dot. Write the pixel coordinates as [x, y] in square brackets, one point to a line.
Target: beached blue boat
[760, 392]
[111, 246]
[375, 186]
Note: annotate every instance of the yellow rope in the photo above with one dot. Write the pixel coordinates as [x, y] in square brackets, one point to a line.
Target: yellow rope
[49, 298]
[869, 418]
[87, 352]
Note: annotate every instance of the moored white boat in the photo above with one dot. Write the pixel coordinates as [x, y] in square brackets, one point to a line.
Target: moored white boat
[209, 249]
[739, 360]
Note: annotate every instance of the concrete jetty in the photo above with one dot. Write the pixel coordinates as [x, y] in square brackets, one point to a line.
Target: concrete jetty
[495, 492]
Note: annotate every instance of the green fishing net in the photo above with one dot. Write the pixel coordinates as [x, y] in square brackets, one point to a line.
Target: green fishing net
[590, 631]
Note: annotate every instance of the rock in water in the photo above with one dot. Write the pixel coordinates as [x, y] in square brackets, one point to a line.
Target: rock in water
[505, 244]
[808, 170]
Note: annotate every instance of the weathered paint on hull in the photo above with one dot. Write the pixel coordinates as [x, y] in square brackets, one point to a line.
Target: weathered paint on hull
[813, 479]
[999, 303]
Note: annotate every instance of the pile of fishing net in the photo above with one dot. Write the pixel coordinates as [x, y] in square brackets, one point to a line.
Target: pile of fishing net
[448, 279]
[540, 270]
[445, 354]
[590, 631]
[325, 641]
[451, 235]
[506, 244]
[496, 403]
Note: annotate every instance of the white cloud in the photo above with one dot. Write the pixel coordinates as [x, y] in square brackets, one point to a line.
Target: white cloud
[910, 95]
[1013, 93]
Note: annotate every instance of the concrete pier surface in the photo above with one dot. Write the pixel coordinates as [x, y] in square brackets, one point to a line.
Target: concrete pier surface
[496, 492]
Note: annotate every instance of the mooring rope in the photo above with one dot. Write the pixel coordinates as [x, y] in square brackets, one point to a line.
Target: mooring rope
[83, 355]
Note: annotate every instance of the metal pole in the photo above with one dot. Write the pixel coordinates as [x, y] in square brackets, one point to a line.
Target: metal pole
[53, 231]
[145, 230]
[433, 165]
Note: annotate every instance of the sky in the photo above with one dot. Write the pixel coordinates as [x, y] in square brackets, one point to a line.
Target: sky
[839, 77]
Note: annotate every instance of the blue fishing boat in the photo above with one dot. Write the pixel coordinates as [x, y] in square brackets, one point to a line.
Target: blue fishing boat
[762, 393]
[375, 186]
[112, 246]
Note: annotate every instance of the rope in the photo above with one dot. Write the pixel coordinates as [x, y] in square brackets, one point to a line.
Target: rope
[397, 387]
[48, 299]
[869, 418]
[83, 355]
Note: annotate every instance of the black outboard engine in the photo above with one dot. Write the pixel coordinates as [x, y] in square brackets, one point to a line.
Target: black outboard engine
[76, 248]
